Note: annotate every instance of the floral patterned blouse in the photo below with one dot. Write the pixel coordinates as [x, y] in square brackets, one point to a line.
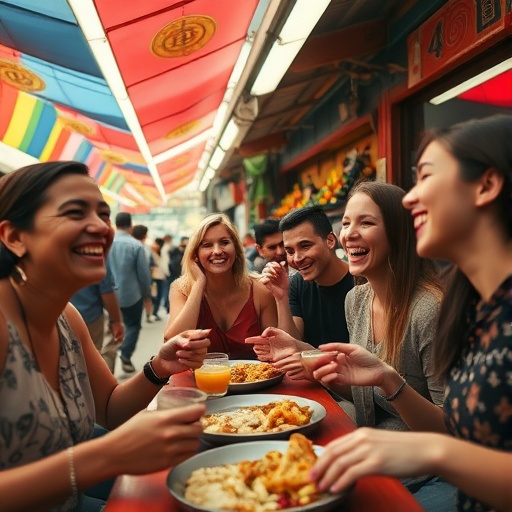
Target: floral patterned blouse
[35, 420]
[478, 402]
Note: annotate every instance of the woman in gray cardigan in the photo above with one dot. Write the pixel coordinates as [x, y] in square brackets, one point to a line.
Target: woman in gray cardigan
[392, 312]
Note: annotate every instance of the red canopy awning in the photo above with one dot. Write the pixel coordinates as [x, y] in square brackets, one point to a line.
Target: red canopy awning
[175, 59]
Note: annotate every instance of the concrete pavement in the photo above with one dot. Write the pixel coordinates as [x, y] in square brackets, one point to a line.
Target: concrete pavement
[150, 340]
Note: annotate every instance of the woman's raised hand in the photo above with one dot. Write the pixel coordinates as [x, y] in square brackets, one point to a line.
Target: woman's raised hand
[373, 452]
[354, 366]
[197, 273]
[273, 345]
[154, 440]
[182, 352]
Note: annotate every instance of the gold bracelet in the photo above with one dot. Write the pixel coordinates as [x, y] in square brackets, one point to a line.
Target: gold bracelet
[72, 474]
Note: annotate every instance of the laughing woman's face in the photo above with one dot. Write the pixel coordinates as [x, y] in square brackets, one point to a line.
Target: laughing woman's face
[442, 205]
[72, 233]
[216, 252]
[363, 237]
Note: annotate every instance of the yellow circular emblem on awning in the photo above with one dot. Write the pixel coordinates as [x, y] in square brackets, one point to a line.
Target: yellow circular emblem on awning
[20, 77]
[113, 157]
[77, 126]
[183, 36]
[184, 129]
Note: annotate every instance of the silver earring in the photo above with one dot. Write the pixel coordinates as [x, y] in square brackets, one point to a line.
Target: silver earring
[21, 274]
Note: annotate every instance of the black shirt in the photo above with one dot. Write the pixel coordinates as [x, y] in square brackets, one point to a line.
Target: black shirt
[321, 307]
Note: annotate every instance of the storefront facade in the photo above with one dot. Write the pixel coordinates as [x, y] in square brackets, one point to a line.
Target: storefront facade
[462, 40]
[380, 113]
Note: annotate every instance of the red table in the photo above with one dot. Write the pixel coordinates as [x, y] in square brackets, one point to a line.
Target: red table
[372, 493]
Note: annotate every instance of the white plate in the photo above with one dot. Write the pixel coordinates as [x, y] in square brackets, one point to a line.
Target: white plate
[230, 403]
[247, 387]
[232, 454]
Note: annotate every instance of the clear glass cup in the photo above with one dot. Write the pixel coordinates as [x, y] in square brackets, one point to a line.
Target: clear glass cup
[313, 359]
[214, 375]
[170, 397]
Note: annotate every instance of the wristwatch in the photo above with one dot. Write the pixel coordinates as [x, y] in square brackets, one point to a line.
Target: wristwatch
[151, 375]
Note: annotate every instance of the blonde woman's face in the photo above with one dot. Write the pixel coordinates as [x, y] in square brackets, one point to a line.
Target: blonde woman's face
[216, 251]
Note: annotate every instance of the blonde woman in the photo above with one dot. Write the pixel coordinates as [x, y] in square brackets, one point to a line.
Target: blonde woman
[217, 292]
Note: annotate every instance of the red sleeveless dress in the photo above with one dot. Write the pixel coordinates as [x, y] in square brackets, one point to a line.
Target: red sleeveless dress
[231, 342]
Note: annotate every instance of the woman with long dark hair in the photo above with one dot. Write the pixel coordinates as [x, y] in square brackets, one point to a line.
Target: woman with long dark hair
[461, 206]
[392, 312]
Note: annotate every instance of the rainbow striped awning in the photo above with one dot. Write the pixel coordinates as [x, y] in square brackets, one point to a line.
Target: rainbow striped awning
[175, 59]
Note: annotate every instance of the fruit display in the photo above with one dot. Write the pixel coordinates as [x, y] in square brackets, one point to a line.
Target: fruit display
[356, 166]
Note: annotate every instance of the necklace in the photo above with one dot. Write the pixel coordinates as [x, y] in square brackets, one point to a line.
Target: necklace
[25, 323]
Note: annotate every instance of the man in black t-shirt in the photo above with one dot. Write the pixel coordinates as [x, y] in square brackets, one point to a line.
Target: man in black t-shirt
[310, 303]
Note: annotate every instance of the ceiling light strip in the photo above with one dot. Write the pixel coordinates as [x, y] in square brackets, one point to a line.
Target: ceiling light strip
[90, 23]
[177, 150]
[237, 83]
[297, 28]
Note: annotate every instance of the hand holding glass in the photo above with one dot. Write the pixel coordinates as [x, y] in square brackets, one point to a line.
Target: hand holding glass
[313, 359]
[214, 376]
[170, 397]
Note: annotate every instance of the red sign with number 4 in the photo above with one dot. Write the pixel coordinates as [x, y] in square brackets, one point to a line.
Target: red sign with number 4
[455, 29]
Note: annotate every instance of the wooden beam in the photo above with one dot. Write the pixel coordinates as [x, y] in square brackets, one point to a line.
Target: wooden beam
[255, 147]
[287, 110]
[355, 41]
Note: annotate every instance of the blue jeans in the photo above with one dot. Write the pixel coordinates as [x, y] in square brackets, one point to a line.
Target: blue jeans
[132, 316]
[165, 292]
[90, 504]
[158, 297]
[436, 495]
[94, 498]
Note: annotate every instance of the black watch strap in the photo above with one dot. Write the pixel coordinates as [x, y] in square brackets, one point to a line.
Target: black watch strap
[151, 375]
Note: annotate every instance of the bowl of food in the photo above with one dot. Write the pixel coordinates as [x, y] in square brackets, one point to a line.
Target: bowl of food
[313, 359]
[259, 476]
[240, 418]
[248, 376]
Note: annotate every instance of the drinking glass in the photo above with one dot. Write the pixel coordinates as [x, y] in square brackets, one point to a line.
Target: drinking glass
[170, 397]
[313, 359]
[214, 375]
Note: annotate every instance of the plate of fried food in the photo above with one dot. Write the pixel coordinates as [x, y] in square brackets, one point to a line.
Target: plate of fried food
[259, 476]
[240, 418]
[247, 376]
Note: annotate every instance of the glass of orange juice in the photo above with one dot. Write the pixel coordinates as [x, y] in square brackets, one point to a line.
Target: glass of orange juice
[214, 376]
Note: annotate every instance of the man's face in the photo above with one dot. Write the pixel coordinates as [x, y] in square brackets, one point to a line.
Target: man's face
[308, 252]
[272, 248]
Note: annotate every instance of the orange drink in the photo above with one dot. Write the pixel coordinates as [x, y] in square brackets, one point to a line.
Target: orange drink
[214, 376]
[212, 379]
